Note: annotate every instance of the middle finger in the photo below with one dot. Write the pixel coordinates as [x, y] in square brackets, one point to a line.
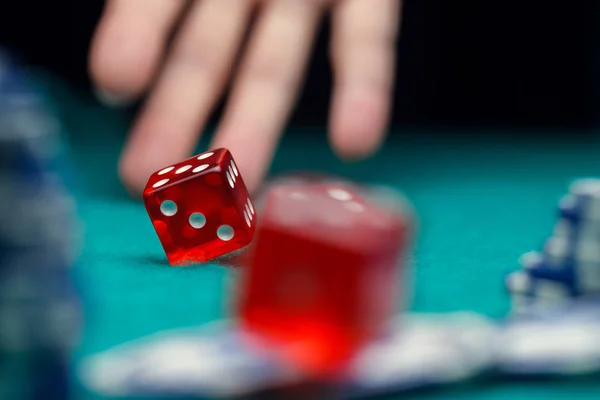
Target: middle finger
[267, 85]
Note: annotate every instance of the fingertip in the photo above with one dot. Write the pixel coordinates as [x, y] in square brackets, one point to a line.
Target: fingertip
[133, 178]
[122, 62]
[357, 126]
[112, 100]
[150, 147]
[353, 150]
[251, 156]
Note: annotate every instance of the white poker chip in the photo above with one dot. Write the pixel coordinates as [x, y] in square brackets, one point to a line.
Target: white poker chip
[424, 350]
[211, 361]
[564, 340]
[421, 350]
[215, 362]
[585, 187]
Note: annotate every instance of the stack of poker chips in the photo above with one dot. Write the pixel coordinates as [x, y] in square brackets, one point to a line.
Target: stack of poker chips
[39, 304]
[568, 267]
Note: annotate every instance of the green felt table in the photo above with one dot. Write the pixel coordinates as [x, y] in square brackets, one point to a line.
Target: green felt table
[481, 202]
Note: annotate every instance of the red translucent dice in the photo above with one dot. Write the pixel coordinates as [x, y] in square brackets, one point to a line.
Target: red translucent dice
[323, 273]
[200, 208]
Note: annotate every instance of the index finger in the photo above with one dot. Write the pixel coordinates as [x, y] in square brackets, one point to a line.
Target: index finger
[128, 44]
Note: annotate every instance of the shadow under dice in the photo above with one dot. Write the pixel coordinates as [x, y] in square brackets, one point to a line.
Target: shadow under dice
[323, 273]
[200, 208]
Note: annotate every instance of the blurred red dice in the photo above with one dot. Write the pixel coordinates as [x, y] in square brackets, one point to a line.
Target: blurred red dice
[324, 272]
[200, 208]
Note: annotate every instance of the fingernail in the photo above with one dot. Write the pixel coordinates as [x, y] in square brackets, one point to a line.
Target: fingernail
[111, 100]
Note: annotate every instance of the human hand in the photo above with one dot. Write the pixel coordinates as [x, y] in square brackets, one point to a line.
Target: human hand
[184, 78]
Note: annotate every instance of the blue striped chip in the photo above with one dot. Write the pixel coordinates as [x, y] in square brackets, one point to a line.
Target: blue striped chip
[569, 264]
[39, 304]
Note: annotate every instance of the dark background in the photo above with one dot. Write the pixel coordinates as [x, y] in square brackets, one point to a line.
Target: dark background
[521, 64]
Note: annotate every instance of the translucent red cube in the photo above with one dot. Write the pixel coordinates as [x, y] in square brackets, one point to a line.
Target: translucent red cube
[200, 208]
[323, 275]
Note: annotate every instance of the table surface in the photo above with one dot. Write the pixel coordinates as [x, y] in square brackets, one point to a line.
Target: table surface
[481, 202]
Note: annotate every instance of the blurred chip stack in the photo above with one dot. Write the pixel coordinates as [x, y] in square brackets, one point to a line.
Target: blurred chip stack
[39, 304]
[569, 265]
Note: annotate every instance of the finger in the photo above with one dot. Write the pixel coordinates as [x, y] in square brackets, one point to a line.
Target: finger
[363, 56]
[266, 88]
[187, 90]
[128, 45]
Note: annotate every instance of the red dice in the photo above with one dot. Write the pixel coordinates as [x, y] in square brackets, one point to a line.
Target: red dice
[322, 276]
[200, 208]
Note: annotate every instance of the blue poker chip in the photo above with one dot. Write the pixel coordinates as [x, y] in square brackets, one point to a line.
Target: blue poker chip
[40, 308]
[36, 204]
[583, 201]
[569, 264]
[550, 265]
[557, 252]
[530, 294]
[577, 229]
